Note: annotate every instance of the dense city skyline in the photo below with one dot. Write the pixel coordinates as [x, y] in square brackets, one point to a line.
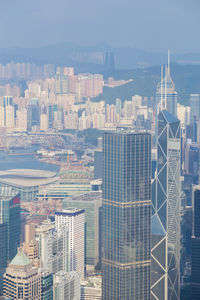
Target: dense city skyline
[99, 150]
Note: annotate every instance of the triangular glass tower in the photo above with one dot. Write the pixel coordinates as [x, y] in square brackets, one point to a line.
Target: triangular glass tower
[165, 249]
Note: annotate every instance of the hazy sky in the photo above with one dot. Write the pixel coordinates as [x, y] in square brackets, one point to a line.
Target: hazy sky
[154, 25]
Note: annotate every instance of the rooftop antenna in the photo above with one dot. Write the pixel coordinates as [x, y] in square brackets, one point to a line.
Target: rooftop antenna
[168, 66]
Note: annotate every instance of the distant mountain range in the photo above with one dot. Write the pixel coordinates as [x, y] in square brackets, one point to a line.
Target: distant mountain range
[91, 58]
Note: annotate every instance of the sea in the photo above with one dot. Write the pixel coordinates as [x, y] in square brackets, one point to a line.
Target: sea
[23, 159]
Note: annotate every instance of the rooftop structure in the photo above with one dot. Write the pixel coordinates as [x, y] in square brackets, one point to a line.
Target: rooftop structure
[27, 182]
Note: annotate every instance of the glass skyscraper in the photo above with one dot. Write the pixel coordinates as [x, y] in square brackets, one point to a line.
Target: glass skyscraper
[195, 245]
[166, 96]
[10, 215]
[3, 253]
[165, 251]
[126, 215]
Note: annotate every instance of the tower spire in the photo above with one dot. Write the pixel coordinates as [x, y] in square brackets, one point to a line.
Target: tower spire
[168, 66]
[161, 86]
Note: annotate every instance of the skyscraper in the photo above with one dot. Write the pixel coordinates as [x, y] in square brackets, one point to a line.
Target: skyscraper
[74, 220]
[91, 203]
[166, 96]
[194, 107]
[195, 245]
[3, 254]
[10, 215]
[33, 114]
[126, 215]
[54, 250]
[165, 252]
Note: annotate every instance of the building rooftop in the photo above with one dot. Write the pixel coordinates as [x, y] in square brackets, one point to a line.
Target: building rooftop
[32, 173]
[27, 182]
[129, 131]
[71, 211]
[20, 259]
[24, 178]
[93, 196]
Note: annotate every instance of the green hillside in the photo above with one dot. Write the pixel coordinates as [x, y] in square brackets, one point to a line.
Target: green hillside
[185, 77]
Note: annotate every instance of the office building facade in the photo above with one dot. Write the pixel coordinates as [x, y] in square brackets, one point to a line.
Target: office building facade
[126, 209]
[53, 250]
[165, 249]
[66, 286]
[74, 220]
[10, 215]
[3, 253]
[195, 245]
[91, 203]
[47, 286]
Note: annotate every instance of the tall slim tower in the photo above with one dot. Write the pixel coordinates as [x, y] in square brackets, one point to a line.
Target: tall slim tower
[74, 220]
[126, 215]
[165, 251]
[166, 96]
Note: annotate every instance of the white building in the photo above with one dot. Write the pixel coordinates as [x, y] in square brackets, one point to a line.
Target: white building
[53, 249]
[183, 114]
[66, 286]
[136, 101]
[74, 219]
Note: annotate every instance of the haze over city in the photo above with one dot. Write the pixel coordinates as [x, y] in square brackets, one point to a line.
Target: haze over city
[154, 25]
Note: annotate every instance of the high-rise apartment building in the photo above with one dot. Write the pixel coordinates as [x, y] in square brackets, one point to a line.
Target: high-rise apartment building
[10, 215]
[195, 245]
[74, 220]
[22, 280]
[61, 83]
[22, 119]
[7, 112]
[10, 116]
[165, 249]
[126, 209]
